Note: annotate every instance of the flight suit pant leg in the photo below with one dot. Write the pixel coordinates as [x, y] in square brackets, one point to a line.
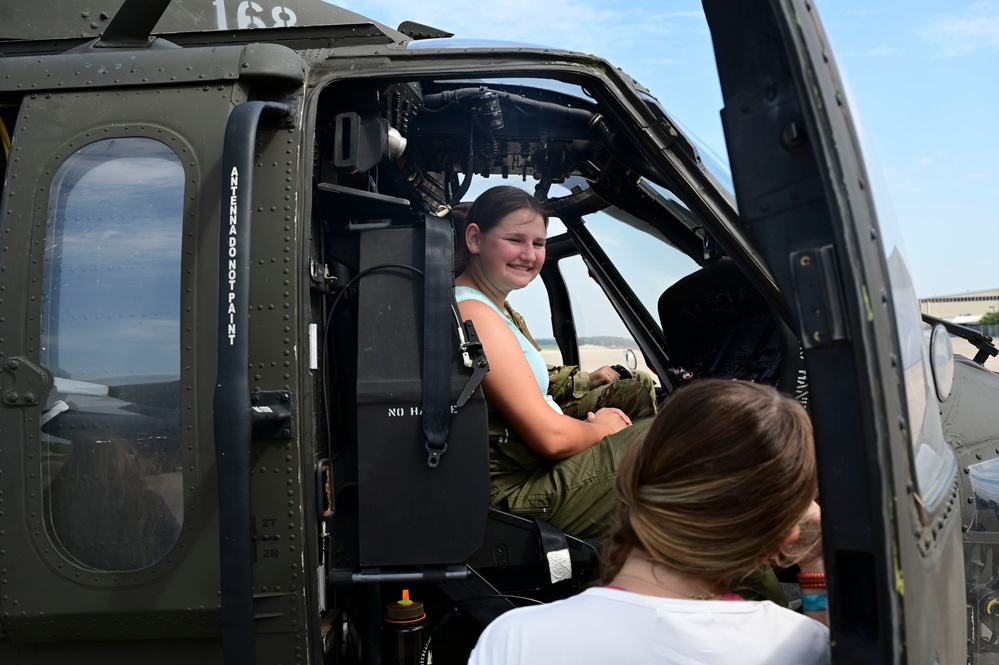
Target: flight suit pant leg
[635, 396]
[576, 494]
[762, 585]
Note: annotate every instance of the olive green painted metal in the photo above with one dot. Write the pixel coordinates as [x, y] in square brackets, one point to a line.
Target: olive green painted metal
[125, 243]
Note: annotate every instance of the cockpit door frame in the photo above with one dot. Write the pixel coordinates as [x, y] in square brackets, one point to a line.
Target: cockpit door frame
[50, 590]
[804, 197]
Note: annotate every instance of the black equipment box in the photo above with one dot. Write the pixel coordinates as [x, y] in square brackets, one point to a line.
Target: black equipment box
[408, 512]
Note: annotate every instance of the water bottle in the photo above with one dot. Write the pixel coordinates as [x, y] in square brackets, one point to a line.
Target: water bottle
[403, 631]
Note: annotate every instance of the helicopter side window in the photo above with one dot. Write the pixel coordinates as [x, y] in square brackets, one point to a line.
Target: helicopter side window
[646, 261]
[603, 339]
[111, 338]
[981, 553]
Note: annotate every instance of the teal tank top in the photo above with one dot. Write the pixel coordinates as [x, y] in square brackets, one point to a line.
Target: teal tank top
[534, 358]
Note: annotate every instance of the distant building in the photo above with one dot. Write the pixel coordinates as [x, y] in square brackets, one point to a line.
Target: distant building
[963, 307]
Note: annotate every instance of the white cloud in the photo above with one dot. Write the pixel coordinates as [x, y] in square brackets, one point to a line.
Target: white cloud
[663, 62]
[580, 25]
[926, 161]
[976, 29]
[906, 187]
[865, 13]
[975, 177]
[881, 52]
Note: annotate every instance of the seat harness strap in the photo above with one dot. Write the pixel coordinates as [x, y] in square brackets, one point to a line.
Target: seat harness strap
[555, 550]
[438, 296]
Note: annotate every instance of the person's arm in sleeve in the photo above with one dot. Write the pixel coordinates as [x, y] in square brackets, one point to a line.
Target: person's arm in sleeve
[807, 551]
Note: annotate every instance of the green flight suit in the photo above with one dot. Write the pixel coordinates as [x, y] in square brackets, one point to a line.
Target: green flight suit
[575, 494]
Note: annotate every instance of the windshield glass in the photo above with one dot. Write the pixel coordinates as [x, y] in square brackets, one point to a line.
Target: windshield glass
[451, 42]
[551, 85]
[717, 165]
[934, 460]
[646, 260]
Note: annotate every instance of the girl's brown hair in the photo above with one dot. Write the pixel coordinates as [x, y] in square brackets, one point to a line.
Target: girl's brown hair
[459, 222]
[722, 476]
[102, 512]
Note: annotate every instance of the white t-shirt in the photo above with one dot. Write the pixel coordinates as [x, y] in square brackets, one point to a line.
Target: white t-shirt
[614, 626]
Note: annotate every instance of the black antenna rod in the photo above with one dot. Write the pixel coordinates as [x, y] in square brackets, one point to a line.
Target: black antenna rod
[134, 23]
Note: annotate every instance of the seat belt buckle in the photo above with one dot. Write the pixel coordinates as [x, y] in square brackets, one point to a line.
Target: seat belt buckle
[467, 350]
[474, 357]
[434, 454]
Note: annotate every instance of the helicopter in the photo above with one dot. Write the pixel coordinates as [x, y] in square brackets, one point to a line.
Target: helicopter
[225, 294]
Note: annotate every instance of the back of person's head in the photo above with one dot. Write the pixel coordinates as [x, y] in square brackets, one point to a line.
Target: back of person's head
[101, 510]
[722, 476]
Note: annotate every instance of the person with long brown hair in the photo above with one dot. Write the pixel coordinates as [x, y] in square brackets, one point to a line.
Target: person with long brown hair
[576, 391]
[103, 513]
[721, 484]
[542, 462]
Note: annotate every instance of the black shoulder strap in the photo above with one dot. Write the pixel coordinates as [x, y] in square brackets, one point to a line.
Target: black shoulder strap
[438, 294]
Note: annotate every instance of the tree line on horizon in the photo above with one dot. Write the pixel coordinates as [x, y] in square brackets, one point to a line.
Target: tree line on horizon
[609, 341]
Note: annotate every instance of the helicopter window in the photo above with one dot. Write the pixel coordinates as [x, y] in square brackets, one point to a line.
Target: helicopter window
[716, 164]
[647, 261]
[552, 85]
[984, 478]
[602, 336]
[111, 338]
[982, 556]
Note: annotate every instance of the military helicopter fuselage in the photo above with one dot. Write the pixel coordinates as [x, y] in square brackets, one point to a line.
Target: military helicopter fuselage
[240, 414]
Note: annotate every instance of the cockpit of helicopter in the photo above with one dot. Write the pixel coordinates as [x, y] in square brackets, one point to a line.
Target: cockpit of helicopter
[624, 244]
[620, 225]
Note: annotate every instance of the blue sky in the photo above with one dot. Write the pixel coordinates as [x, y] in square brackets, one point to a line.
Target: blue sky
[925, 76]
